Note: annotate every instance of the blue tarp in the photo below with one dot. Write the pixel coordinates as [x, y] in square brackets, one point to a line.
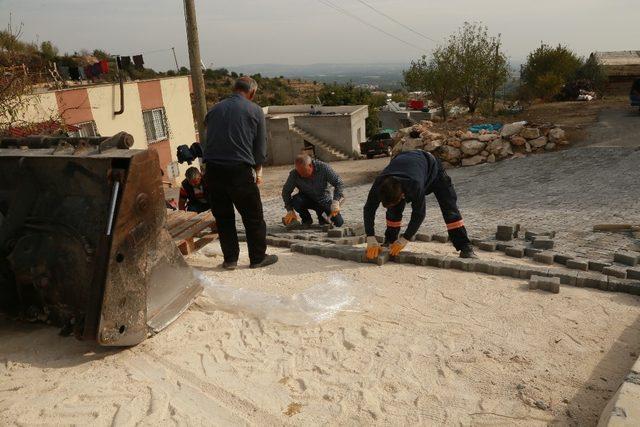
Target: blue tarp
[488, 126]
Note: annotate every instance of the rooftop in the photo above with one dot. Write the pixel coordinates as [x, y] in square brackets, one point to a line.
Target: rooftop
[623, 57]
[284, 111]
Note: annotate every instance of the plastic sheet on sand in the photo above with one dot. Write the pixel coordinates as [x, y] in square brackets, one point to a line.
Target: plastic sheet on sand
[316, 304]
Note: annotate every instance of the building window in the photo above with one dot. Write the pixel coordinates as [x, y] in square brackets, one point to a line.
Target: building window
[155, 125]
[84, 130]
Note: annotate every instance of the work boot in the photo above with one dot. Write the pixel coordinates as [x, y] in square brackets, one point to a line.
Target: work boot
[467, 252]
[268, 260]
[231, 265]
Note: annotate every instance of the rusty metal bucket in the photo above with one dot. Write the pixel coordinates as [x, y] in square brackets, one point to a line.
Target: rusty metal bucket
[83, 243]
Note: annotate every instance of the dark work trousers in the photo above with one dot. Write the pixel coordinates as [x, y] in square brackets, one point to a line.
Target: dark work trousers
[234, 185]
[446, 196]
[197, 206]
[303, 204]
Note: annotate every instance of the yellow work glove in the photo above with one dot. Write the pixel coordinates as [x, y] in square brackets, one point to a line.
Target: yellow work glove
[335, 208]
[290, 217]
[398, 246]
[373, 247]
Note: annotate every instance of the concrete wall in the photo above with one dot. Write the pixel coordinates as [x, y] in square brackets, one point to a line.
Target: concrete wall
[177, 104]
[393, 119]
[282, 144]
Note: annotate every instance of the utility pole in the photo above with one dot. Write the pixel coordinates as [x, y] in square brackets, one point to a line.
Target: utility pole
[195, 64]
[494, 80]
[175, 58]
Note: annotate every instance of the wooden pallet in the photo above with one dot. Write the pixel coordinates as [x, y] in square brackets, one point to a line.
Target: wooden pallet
[186, 229]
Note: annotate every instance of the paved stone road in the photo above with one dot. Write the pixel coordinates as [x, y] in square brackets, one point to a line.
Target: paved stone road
[567, 191]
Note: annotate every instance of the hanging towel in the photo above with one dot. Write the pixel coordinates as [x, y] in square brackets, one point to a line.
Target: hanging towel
[138, 61]
[74, 73]
[125, 62]
[63, 70]
[88, 71]
[104, 66]
[81, 74]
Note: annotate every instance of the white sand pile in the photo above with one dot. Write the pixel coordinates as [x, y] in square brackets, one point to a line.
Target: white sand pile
[415, 346]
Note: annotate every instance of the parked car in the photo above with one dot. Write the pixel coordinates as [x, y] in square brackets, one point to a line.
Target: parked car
[381, 143]
[634, 96]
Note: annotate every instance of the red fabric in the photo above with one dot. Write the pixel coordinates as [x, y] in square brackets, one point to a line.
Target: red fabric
[104, 66]
[88, 71]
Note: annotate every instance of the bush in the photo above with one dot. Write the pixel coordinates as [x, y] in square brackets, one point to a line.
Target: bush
[548, 69]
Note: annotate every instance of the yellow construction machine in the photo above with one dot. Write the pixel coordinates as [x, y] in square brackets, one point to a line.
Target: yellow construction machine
[83, 244]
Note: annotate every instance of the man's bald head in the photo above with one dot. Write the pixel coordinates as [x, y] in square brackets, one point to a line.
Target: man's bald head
[304, 165]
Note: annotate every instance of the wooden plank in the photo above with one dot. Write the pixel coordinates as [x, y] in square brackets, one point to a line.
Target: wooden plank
[175, 218]
[188, 219]
[182, 230]
[197, 224]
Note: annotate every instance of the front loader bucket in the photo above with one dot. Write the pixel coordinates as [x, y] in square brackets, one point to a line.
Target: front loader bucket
[83, 243]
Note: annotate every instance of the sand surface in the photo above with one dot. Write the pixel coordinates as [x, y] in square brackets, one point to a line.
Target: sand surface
[418, 346]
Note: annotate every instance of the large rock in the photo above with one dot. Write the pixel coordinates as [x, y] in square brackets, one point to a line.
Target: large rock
[556, 135]
[468, 135]
[499, 147]
[412, 144]
[538, 142]
[472, 147]
[487, 137]
[550, 146]
[450, 154]
[427, 135]
[518, 141]
[491, 158]
[530, 133]
[454, 142]
[405, 131]
[472, 161]
[432, 145]
[512, 129]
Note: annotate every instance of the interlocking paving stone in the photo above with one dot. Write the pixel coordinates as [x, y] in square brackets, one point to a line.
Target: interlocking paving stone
[578, 264]
[633, 273]
[506, 232]
[562, 258]
[627, 258]
[442, 238]
[530, 252]
[614, 271]
[543, 243]
[598, 265]
[544, 257]
[423, 237]
[487, 246]
[516, 252]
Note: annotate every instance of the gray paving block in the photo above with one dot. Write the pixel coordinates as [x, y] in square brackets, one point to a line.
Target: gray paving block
[336, 232]
[625, 285]
[633, 273]
[509, 270]
[358, 229]
[627, 258]
[526, 271]
[530, 252]
[503, 246]
[421, 259]
[314, 250]
[544, 257]
[619, 272]
[297, 247]
[598, 265]
[589, 279]
[487, 246]
[569, 277]
[356, 255]
[423, 237]
[380, 239]
[514, 251]
[578, 264]
[543, 243]
[494, 267]
[506, 232]
[441, 238]
[382, 259]
[476, 242]
[562, 258]
[405, 257]
[434, 260]
[482, 266]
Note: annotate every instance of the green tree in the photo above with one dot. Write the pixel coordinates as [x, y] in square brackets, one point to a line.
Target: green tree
[48, 51]
[349, 94]
[548, 69]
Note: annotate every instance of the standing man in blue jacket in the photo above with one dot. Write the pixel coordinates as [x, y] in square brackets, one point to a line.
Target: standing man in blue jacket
[409, 178]
[234, 152]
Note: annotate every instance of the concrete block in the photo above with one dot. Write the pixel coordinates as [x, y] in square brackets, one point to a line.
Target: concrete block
[549, 284]
[598, 265]
[421, 259]
[435, 260]
[625, 285]
[404, 257]
[543, 243]
[336, 232]
[527, 271]
[487, 246]
[380, 239]
[530, 252]
[567, 277]
[325, 228]
[503, 246]
[509, 270]
[627, 258]
[494, 267]
[423, 237]
[382, 259]
[633, 273]
[446, 261]
[532, 235]
[441, 238]
[506, 232]
[514, 251]
[588, 279]
[347, 232]
[578, 264]
[314, 250]
[476, 242]
[297, 247]
[482, 266]
[544, 257]
[562, 258]
[463, 264]
[356, 255]
[614, 271]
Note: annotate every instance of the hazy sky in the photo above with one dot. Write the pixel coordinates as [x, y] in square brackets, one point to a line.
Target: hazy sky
[307, 31]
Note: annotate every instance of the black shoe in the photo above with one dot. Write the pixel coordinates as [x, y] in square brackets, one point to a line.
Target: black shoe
[231, 265]
[468, 253]
[268, 260]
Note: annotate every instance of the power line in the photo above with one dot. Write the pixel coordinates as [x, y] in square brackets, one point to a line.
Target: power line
[357, 18]
[391, 18]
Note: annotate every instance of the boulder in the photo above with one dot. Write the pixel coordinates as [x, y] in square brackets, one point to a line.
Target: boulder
[557, 134]
[518, 140]
[488, 137]
[484, 153]
[405, 131]
[538, 142]
[447, 165]
[530, 133]
[491, 158]
[412, 144]
[454, 142]
[432, 145]
[498, 146]
[527, 147]
[468, 135]
[550, 146]
[472, 147]
[512, 129]
[449, 154]
[427, 135]
[472, 161]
